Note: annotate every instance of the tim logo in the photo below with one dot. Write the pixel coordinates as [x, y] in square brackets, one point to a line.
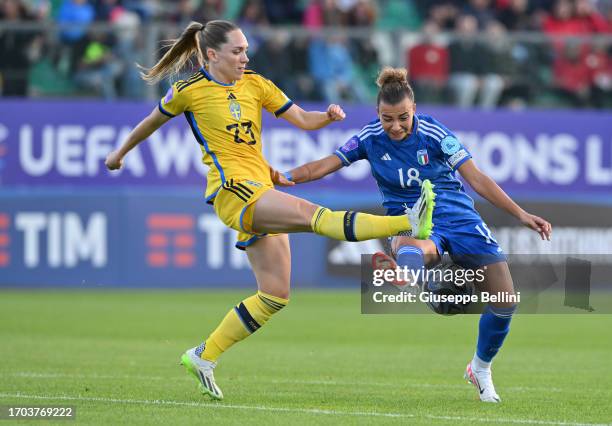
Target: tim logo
[170, 240]
[5, 240]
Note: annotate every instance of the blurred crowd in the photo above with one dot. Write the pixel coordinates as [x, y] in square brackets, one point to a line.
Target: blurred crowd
[485, 53]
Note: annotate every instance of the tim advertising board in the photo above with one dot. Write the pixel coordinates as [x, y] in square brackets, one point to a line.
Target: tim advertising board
[101, 240]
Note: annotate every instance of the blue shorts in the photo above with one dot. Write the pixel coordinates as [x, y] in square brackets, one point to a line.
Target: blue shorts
[468, 241]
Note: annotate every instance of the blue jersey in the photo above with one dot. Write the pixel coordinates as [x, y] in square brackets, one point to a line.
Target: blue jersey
[431, 152]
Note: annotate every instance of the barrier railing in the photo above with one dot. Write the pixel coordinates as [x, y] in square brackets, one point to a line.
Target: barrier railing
[487, 70]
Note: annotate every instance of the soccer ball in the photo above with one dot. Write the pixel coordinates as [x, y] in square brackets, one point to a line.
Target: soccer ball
[437, 286]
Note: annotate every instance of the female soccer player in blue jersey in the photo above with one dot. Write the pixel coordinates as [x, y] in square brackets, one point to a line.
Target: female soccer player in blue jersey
[223, 104]
[404, 149]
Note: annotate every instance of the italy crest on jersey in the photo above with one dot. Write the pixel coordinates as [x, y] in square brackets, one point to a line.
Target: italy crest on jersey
[423, 157]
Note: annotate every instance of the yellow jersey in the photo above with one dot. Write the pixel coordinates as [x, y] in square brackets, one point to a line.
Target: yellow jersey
[226, 122]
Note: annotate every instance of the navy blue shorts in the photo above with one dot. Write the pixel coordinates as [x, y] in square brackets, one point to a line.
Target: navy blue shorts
[469, 242]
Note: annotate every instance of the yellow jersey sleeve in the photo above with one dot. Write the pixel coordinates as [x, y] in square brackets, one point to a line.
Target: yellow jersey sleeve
[176, 101]
[272, 98]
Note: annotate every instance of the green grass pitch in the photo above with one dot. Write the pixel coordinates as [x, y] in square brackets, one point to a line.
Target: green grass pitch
[114, 356]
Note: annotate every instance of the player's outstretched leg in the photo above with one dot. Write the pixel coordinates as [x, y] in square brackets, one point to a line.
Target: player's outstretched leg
[355, 226]
[202, 370]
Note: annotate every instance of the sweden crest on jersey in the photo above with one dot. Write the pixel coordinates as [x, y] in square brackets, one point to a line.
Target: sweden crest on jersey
[423, 157]
[235, 109]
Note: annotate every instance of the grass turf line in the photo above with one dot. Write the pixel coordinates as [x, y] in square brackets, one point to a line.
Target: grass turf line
[319, 360]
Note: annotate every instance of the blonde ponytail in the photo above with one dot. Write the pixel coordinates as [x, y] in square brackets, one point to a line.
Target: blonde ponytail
[194, 41]
[180, 52]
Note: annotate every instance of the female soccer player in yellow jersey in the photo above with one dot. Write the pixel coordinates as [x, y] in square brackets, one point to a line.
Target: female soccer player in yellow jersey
[222, 103]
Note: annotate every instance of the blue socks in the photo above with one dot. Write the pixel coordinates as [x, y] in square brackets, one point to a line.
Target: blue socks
[494, 322]
[412, 258]
[492, 330]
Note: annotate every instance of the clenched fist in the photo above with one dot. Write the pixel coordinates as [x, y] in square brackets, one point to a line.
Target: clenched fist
[114, 160]
[335, 113]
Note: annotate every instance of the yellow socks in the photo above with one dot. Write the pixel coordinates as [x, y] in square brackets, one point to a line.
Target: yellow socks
[252, 313]
[354, 226]
[240, 322]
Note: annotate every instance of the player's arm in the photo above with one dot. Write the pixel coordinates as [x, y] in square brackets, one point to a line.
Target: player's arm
[489, 190]
[313, 120]
[307, 172]
[143, 130]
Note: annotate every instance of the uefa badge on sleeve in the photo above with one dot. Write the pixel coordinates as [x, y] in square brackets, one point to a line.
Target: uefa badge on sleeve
[423, 157]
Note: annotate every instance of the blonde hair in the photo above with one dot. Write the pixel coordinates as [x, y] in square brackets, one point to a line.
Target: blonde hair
[393, 86]
[193, 41]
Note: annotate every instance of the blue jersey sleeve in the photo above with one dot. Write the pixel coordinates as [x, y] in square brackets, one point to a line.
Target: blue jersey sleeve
[353, 150]
[453, 151]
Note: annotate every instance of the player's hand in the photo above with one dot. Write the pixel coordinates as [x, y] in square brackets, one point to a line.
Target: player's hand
[335, 113]
[279, 178]
[541, 226]
[114, 161]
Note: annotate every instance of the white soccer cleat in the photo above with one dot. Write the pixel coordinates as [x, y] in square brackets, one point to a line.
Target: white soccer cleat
[203, 372]
[421, 213]
[481, 379]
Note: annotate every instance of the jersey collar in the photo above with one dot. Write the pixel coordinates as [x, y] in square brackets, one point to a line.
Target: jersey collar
[211, 78]
[415, 124]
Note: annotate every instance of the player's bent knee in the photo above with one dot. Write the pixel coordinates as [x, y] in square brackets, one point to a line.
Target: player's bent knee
[280, 291]
[277, 299]
[498, 283]
[306, 210]
[283, 295]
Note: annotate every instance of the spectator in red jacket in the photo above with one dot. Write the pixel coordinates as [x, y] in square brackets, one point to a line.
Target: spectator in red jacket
[563, 20]
[572, 76]
[428, 63]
